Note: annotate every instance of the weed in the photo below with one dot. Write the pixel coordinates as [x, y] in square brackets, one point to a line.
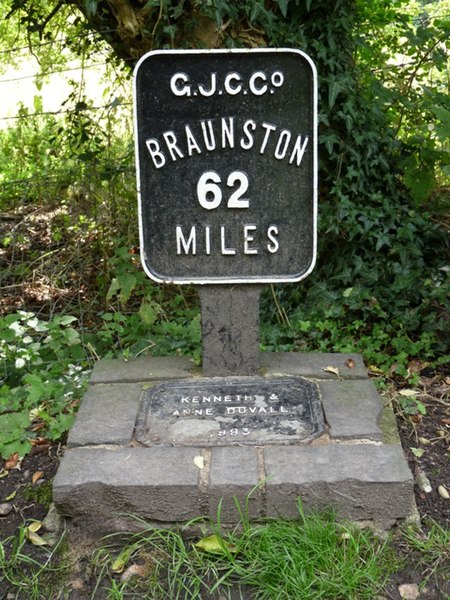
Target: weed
[23, 576]
[43, 376]
[433, 544]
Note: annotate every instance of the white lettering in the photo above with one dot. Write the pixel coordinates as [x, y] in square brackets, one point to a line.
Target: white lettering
[277, 79]
[269, 128]
[228, 132]
[247, 143]
[281, 150]
[273, 244]
[210, 141]
[232, 90]
[177, 87]
[248, 238]
[223, 245]
[258, 91]
[191, 141]
[207, 240]
[189, 245]
[171, 141]
[212, 90]
[299, 150]
[158, 158]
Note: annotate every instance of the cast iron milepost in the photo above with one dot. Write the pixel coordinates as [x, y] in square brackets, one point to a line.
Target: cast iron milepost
[226, 146]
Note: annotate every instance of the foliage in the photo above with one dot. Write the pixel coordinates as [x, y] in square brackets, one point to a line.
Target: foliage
[143, 317]
[380, 284]
[407, 47]
[43, 377]
[382, 274]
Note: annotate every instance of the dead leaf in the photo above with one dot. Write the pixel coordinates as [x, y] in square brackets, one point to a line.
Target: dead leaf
[415, 366]
[12, 462]
[350, 363]
[134, 571]
[408, 393]
[11, 496]
[375, 370]
[35, 526]
[38, 426]
[332, 369]
[40, 442]
[4, 473]
[199, 462]
[443, 492]
[446, 421]
[214, 544]
[36, 476]
[424, 441]
[34, 538]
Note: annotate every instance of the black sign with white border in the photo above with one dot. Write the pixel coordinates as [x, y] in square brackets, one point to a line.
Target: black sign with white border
[226, 146]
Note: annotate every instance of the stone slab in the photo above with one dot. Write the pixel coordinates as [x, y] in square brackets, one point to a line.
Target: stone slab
[160, 368]
[158, 484]
[352, 409]
[312, 364]
[141, 369]
[107, 415]
[364, 481]
[223, 411]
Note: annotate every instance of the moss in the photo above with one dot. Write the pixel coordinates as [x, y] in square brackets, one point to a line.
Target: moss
[41, 494]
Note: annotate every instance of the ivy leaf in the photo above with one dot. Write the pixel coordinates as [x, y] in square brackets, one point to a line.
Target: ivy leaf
[334, 90]
[283, 4]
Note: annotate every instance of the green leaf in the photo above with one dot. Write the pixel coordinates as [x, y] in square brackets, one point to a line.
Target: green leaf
[113, 289]
[71, 336]
[127, 283]
[148, 313]
[418, 452]
[67, 319]
[214, 544]
[444, 116]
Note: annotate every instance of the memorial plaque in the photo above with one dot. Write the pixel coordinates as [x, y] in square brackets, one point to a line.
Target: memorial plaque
[230, 411]
[226, 147]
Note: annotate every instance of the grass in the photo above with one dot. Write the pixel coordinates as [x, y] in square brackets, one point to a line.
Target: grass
[24, 576]
[315, 556]
[433, 544]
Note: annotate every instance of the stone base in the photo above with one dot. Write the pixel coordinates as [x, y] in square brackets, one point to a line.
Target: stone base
[106, 477]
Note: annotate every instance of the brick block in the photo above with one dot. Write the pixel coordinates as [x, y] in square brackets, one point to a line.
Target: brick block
[234, 474]
[364, 481]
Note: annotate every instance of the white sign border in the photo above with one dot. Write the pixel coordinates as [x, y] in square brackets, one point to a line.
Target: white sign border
[228, 280]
